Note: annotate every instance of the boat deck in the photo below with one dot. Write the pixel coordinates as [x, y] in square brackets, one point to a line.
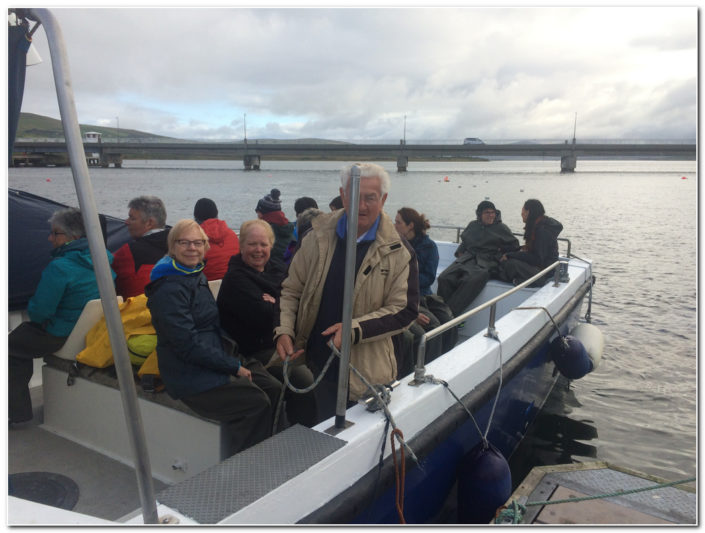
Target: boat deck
[33, 449]
[675, 504]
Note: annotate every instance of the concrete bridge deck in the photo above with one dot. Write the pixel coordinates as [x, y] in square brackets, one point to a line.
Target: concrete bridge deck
[239, 149]
[253, 151]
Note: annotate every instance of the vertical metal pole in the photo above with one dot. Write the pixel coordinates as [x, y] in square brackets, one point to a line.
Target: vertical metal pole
[84, 190]
[491, 331]
[353, 192]
[420, 369]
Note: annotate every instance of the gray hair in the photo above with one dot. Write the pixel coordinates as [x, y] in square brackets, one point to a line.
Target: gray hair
[367, 170]
[69, 221]
[149, 207]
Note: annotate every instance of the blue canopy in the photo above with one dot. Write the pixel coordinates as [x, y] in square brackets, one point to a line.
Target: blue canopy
[29, 247]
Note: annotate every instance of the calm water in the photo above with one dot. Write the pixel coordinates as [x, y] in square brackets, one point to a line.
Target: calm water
[635, 219]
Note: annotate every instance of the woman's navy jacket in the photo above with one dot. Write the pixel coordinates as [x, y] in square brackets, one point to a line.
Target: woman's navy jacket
[189, 346]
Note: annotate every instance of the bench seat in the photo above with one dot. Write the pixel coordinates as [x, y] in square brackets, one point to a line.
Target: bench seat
[89, 411]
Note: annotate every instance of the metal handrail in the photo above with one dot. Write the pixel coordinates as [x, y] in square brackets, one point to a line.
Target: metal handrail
[106, 288]
[459, 231]
[420, 370]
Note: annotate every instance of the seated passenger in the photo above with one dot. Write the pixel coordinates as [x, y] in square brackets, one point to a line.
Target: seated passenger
[248, 302]
[222, 240]
[300, 205]
[67, 283]
[269, 209]
[413, 226]
[304, 222]
[134, 260]
[540, 247]
[336, 203]
[194, 364]
[483, 243]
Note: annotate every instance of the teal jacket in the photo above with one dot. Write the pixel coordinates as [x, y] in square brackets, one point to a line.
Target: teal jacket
[67, 283]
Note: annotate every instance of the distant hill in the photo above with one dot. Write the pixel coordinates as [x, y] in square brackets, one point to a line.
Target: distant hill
[39, 127]
[32, 126]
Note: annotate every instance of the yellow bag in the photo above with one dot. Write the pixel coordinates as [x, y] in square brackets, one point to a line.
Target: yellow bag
[136, 321]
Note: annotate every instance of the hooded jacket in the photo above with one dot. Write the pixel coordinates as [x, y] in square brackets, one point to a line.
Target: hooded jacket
[134, 261]
[385, 296]
[543, 250]
[184, 315]
[223, 245]
[486, 244]
[67, 283]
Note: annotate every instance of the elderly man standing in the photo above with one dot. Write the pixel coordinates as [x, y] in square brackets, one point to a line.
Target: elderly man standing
[133, 262]
[385, 295]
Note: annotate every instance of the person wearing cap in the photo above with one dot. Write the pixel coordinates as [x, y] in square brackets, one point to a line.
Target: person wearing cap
[483, 242]
[269, 209]
[222, 240]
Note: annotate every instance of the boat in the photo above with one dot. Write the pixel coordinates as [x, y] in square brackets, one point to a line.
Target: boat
[485, 391]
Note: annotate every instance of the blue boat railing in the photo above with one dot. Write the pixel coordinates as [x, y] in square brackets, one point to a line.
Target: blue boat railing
[420, 370]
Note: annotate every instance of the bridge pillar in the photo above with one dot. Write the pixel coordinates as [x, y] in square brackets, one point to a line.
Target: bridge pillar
[402, 163]
[568, 163]
[251, 161]
[110, 159]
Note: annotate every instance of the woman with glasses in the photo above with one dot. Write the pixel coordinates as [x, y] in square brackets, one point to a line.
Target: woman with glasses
[67, 283]
[194, 363]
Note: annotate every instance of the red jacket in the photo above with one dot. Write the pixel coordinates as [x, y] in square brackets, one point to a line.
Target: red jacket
[223, 245]
[133, 262]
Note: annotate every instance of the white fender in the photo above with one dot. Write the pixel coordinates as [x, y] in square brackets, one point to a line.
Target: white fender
[593, 340]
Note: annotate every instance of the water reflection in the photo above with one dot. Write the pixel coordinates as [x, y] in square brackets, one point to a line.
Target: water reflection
[555, 437]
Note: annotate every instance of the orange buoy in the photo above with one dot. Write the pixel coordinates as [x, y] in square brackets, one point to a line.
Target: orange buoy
[446, 179]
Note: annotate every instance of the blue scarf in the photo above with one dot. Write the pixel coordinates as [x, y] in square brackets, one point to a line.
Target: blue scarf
[168, 266]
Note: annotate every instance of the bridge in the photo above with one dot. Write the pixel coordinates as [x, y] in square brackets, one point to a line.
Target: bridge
[252, 152]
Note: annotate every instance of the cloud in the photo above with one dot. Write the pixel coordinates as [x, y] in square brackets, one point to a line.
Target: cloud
[355, 73]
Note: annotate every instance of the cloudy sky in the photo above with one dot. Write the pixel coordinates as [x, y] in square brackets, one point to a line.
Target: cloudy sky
[355, 73]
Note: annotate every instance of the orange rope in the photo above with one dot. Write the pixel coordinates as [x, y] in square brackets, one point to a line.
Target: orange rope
[400, 476]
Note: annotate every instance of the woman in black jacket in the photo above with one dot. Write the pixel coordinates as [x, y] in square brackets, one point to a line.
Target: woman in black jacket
[193, 362]
[248, 302]
[540, 247]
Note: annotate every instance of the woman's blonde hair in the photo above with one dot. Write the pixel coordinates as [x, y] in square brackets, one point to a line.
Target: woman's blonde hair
[249, 224]
[181, 227]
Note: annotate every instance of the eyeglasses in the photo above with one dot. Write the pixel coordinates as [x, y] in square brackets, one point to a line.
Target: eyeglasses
[55, 233]
[186, 243]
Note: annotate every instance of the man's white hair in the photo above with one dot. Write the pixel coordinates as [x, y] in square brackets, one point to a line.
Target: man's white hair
[367, 170]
